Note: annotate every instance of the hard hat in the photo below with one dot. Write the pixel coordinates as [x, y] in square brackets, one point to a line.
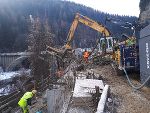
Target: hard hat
[34, 91]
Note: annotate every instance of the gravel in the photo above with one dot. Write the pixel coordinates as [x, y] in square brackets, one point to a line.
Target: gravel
[130, 100]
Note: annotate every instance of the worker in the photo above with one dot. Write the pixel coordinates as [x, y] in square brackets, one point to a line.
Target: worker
[130, 41]
[103, 46]
[26, 100]
[86, 55]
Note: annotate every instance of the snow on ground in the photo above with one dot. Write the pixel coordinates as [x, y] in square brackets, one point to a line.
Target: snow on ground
[7, 75]
[7, 89]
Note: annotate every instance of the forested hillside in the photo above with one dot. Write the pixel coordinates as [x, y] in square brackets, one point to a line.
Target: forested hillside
[14, 17]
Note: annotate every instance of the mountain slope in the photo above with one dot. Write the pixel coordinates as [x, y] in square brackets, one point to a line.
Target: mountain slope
[60, 14]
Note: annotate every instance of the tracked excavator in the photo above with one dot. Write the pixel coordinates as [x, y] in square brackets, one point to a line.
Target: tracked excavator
[87, 22]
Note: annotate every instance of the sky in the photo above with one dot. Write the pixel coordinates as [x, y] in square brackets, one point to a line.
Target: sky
[121, 7]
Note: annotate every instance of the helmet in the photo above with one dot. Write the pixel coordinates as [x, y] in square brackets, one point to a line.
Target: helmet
[34, 91]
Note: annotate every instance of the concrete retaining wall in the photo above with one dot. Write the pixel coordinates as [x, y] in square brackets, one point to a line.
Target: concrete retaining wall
[55, 100]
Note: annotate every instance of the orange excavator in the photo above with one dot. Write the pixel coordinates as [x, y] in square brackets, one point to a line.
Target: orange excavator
[88, 22]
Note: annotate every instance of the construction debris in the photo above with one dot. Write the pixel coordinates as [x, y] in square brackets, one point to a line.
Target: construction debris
[69, 81]
[102, 102]
[83, 91]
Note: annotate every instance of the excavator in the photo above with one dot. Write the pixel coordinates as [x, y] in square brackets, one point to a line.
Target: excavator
[87, 22]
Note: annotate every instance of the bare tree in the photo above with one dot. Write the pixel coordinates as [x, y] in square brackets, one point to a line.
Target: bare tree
[39, 37]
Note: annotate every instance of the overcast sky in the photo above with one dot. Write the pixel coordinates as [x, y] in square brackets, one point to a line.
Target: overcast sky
[121, 7]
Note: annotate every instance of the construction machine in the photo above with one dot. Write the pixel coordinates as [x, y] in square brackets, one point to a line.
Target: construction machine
[131, 55]
[87, 22]
[126, 52]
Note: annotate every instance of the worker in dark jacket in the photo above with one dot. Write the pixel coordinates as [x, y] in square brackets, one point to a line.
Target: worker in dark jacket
[26, 100]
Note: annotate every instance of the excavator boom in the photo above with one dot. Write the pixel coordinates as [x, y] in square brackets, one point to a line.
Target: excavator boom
[88, 22]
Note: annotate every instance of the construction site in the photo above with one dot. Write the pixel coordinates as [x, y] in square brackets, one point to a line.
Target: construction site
[112, 76]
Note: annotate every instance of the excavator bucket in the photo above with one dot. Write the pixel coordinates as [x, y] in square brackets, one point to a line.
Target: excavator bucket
[60, 53]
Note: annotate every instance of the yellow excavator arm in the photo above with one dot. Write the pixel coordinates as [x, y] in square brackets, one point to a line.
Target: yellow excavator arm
[88, 22]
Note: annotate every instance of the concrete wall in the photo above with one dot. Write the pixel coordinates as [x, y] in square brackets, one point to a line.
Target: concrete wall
[55, 100]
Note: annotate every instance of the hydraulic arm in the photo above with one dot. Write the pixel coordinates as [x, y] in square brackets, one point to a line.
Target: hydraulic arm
[88, 22]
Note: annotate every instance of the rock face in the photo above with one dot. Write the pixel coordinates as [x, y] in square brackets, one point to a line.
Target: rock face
[144, 17]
